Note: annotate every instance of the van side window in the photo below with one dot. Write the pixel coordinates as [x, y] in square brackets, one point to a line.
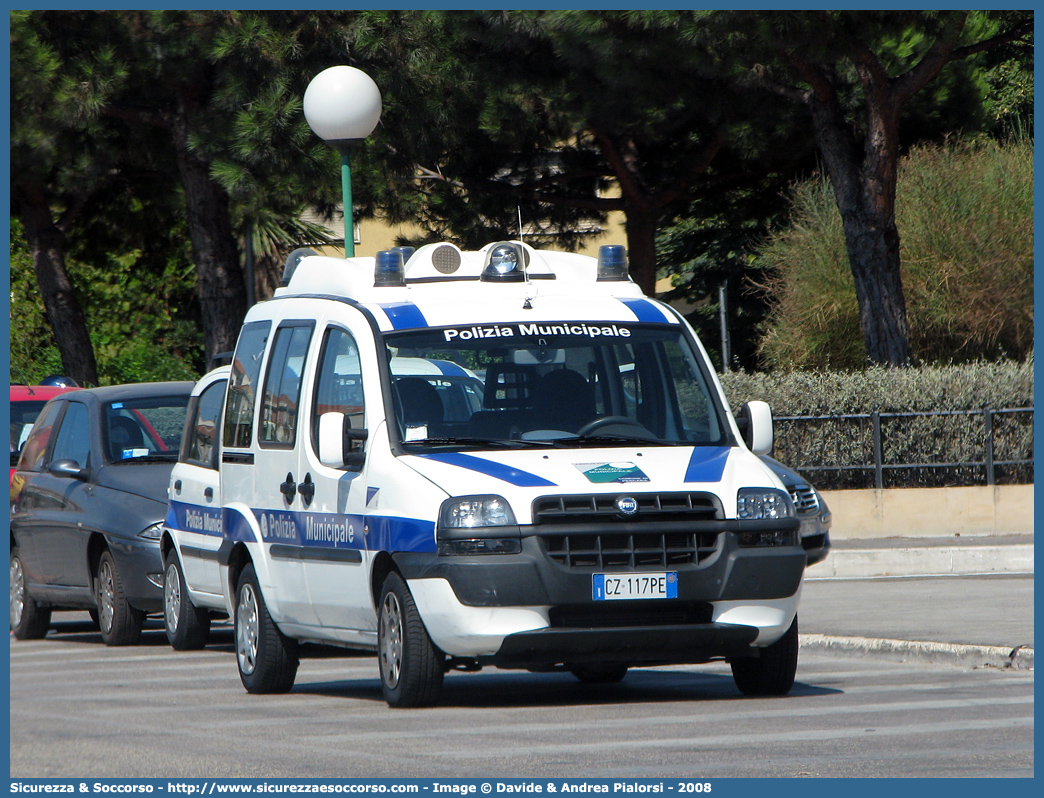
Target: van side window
[282, 395]
[338, 381]
[200, 444]
[242, 385]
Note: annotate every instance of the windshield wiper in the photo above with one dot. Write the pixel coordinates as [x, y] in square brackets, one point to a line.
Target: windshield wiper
[603, 439]
[464, 441]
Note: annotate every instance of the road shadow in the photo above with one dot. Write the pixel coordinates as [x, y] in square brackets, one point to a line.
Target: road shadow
[517, 689]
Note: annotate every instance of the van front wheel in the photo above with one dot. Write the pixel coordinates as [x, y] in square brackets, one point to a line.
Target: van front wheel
[267, 659]
[771, 674]
[411, 665]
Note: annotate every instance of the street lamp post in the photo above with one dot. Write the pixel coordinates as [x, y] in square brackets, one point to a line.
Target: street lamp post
[343, 105]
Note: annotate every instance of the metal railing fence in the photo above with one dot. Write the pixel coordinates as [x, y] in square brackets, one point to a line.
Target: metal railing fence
[934, 449]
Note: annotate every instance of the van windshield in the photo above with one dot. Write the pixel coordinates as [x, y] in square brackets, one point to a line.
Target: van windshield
[552, 384]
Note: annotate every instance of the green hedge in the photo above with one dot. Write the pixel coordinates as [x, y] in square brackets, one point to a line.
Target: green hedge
[829, 440]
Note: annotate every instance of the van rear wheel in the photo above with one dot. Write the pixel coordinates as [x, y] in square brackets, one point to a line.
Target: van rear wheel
[411, 665]
[187, 626]
[267, 659]
[771, 674]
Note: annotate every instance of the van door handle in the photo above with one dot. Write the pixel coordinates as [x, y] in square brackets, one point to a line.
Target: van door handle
[306, 489]
[288, 488]
[177, 486]
[208, 494]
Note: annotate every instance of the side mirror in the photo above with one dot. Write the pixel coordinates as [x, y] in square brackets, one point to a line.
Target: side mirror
[340, 446]
[69, 469]
[755, 422]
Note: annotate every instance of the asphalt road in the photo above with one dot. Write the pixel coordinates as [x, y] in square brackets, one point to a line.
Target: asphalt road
[79, 709]
[975, 610]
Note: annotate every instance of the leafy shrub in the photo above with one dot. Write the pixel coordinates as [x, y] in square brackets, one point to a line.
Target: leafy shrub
[922, 422]
[965, 217]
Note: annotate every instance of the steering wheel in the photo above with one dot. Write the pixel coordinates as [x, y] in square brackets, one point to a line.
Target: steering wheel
[608, 421]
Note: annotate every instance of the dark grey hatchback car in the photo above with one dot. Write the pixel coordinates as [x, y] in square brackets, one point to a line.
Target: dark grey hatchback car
[87, 502]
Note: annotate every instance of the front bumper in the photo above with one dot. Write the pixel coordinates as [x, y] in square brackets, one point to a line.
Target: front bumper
[137, 559]
[528, 610]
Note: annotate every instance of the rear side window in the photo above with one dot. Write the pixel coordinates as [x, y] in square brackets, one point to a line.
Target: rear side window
[281, 399]
[33, 438]
[201, 432]
[242, 385]
[74, 440]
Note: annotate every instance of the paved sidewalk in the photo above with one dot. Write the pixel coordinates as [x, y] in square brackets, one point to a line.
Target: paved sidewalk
[985, 554]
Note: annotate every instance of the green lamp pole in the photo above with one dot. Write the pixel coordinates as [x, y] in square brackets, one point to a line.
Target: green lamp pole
[346, 195]
[343, 105]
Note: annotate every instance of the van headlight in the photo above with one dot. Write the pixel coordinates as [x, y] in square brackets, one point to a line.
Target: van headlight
[475, 511]
[764, 504]
[477, 525]
[757, 504]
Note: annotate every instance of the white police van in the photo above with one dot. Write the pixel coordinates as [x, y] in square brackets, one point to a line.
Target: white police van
[508, 457]
[192, 539]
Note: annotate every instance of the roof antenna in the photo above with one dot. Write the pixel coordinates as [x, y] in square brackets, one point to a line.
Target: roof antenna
[527, 305]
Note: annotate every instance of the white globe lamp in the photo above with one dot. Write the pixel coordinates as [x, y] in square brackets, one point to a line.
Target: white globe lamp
[342, 105]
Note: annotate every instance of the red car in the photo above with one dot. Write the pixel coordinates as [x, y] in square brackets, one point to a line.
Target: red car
[26, 403]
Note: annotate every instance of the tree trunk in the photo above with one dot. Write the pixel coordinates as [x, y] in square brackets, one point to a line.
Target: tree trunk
[873, 254]
[641, 249]
[864, 186]
[47, 245]
[222, 288]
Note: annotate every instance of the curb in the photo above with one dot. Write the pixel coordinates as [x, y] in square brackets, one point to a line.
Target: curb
[924, 561]
[1003, 657]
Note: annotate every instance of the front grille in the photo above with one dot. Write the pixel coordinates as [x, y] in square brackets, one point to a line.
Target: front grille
[805, 499]
[589, 532]
[616, 614]
[627, 551]
[652, 508]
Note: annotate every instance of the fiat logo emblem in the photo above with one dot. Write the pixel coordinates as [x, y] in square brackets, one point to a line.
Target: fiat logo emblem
[627, 505]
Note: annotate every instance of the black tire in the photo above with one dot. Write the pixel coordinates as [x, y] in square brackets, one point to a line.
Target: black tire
[29, 621]
[267, 659]
[599, 673]
[187, 626]
[771, 674]
[411, 666]
[119, 623]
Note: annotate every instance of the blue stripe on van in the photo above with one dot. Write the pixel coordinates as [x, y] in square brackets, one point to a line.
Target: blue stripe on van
[389, 533]
[235, 527]
[327, 532]
[707, 464]
[186, 517]
[645, 310]
[517, 477]
[404, 315]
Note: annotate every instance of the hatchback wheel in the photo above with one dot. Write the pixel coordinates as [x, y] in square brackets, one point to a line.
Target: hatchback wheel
[120, 623]
[29, 621]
